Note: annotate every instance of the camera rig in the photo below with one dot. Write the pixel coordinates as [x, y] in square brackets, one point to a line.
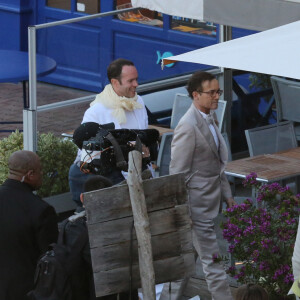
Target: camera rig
[108, 149]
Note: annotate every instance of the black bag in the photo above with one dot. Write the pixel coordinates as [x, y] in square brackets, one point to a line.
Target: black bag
[52, 279]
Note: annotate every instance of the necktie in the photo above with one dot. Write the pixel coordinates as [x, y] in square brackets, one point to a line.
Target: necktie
[209, 120]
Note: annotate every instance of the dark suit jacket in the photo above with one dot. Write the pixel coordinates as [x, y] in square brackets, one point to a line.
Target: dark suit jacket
[27, 226]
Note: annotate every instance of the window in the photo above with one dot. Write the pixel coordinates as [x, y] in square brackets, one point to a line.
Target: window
[142, 16]
[62, 4]
[85, 6]
[193, 26]
[88, 6]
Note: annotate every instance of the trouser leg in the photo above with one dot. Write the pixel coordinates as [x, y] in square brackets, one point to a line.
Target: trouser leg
[205, 243]
[76, 182]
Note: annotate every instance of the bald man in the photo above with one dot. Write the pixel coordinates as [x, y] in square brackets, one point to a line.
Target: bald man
[27, 225]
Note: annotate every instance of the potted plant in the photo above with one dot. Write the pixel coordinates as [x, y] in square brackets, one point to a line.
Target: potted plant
[261, 238]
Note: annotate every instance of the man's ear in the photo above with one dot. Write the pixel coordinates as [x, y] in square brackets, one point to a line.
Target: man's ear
[81, 198]
[114, 82]
[195, 94]
[27, 176]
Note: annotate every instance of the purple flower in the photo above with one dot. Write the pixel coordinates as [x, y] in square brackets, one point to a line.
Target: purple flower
[255, 255]
[250, 179]
[275, 249]
[280, 271]
[264, 266]
[265, 228]
[266, 243]
[231, 270]
[216, 258]
[231, 231]
[231, 248]
[249, 230]
[291, 221]
[241, 274]
[289, 278]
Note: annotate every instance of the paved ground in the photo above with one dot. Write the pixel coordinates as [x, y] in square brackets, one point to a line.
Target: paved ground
[58, 121]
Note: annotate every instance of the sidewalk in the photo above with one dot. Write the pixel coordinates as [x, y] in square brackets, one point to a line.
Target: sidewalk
[58, 121]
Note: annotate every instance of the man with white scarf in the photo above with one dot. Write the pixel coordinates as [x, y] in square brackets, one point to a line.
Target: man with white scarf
[117, 103]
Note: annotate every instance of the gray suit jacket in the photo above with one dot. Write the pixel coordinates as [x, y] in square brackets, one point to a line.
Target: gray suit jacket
[194, 152]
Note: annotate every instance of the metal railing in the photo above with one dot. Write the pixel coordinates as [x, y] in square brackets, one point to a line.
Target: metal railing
[30, 114]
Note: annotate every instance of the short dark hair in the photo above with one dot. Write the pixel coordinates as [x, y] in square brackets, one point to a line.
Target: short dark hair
[251, 291]
[114, 69]
[196, 80]
[96, 182]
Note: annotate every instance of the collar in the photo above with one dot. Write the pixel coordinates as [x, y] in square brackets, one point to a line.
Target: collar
[18, 185]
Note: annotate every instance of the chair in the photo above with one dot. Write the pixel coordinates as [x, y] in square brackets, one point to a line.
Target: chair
[271, 138]
[183, 102]
[220, 113]
[164, 154]
[180, 106]
[287, 98]
[231, 179]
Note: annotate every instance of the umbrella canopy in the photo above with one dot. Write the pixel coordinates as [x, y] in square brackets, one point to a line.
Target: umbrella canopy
[249, 14]
[275, 52]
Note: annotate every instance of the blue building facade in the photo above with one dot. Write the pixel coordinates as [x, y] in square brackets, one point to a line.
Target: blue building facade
[84, 50]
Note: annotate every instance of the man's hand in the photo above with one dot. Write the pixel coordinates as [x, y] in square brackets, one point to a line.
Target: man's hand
[145, 151]
[230, 202]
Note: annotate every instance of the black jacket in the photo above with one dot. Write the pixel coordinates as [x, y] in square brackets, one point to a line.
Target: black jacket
[27, 226]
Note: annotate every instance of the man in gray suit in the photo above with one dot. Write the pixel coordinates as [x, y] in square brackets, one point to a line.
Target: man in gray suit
[199, 151]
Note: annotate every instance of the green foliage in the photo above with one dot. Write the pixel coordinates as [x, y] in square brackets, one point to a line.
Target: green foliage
[12, 143]
[56, 155]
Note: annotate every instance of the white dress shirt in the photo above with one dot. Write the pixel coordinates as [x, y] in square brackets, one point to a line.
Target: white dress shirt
[212, 129]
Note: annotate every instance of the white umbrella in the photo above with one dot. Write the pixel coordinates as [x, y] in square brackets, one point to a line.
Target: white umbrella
[250, 14]
[275, 52]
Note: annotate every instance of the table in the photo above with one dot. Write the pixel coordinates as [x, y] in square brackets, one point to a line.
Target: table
[268, 167]
[160, 129]
[14, 68]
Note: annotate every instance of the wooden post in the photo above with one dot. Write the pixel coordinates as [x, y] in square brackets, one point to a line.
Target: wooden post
[141, 224]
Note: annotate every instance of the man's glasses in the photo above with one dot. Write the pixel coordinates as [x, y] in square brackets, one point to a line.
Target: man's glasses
[212, 93]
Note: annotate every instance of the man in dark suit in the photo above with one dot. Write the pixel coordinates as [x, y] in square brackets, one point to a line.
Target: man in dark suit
[28, 225]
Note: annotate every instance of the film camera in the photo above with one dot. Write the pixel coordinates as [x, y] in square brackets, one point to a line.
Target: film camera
[105, 149]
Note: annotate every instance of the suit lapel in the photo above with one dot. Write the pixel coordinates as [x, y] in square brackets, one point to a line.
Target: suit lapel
[223, 152]
[203, 126]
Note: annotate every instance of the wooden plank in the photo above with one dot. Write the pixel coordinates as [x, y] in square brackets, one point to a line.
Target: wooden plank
[117, 280]
[117, 231]
[114, 203]
[163, 245]
[141, 224]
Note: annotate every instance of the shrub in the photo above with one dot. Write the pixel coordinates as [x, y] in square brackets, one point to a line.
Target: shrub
[56, 155]
[262, 238]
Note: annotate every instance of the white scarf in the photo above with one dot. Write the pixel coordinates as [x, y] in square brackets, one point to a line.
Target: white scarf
[118, 104]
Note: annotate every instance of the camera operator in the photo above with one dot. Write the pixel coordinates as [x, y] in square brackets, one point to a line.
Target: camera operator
[117, 103]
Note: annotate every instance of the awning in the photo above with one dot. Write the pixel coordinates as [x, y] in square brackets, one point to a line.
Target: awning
[250, 14]
[274, 52]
